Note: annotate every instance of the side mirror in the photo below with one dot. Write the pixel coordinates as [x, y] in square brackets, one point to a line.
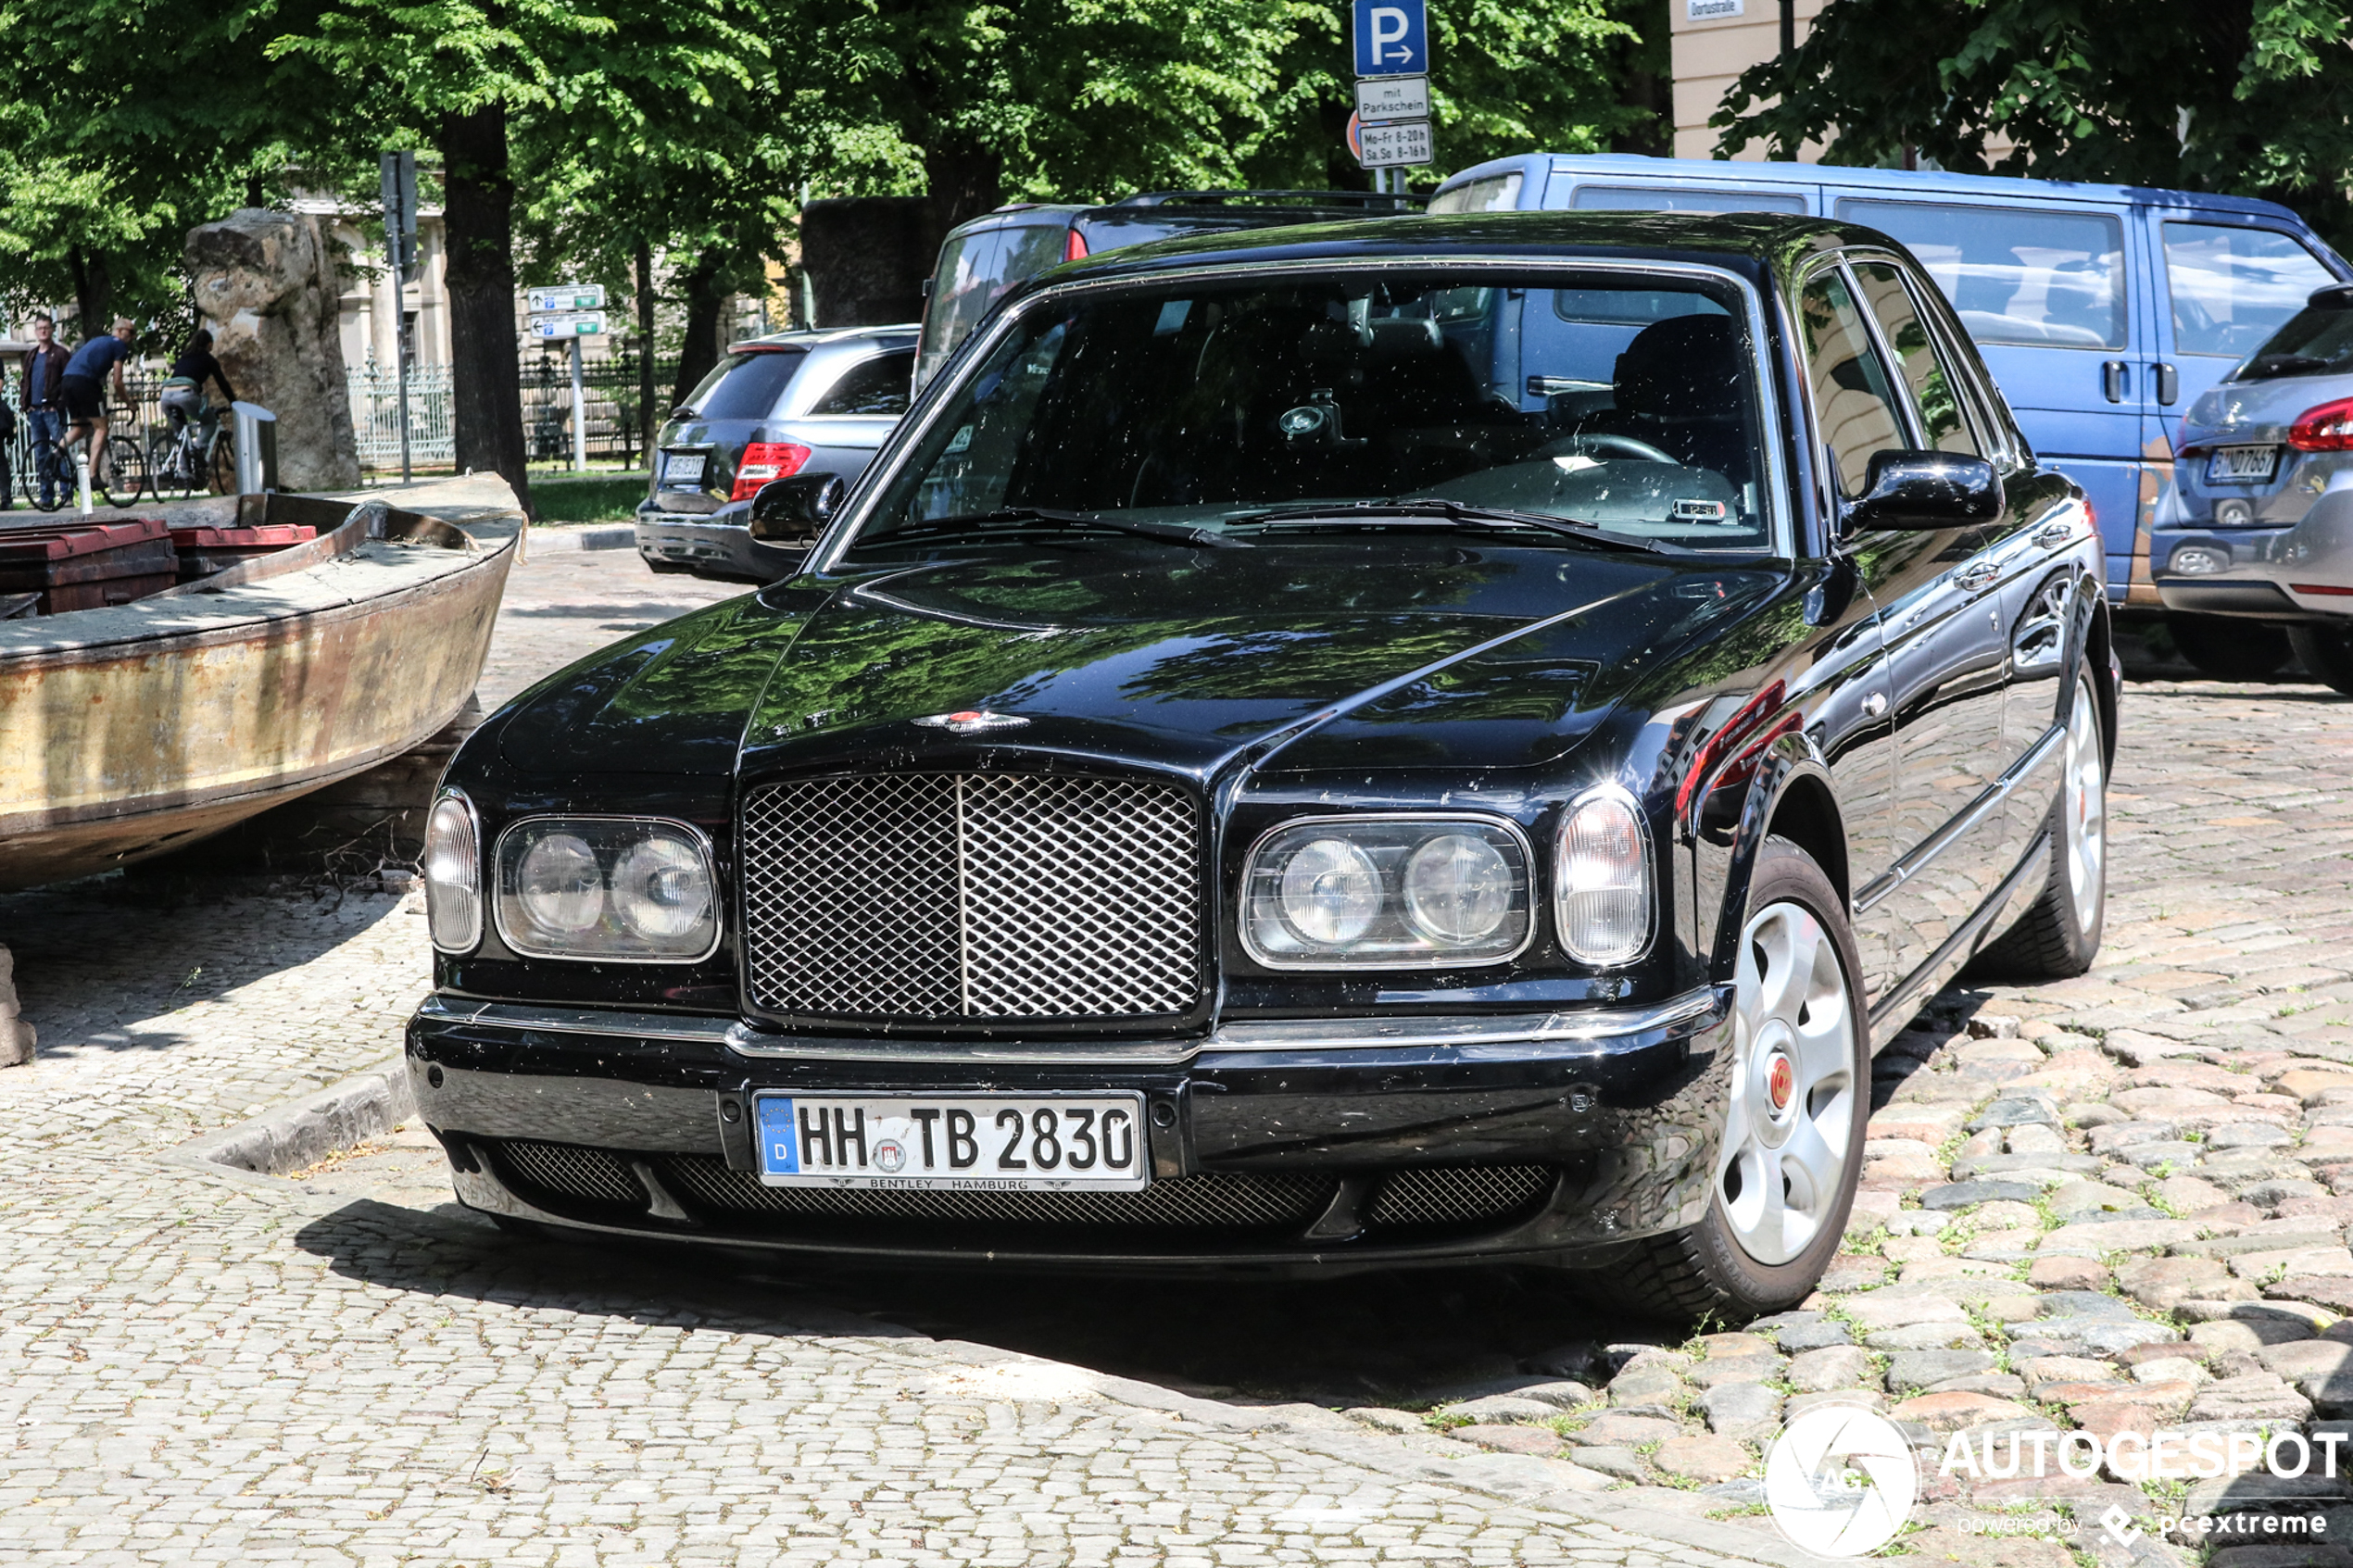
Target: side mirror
[1926, 490]
[795, 511]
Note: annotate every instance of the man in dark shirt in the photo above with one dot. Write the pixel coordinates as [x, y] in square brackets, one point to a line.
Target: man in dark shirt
[45, 368]
[83, 396]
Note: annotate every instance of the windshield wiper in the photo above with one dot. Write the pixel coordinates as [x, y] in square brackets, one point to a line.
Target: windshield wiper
[1023, 519]
[1353, 514]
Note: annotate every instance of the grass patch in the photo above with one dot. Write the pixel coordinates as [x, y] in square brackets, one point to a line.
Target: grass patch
[607, 498]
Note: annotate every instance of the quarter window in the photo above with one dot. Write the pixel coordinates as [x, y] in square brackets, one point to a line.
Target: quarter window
[1922, 370]
[2054, 280]
[1852, 395]
[874, 386]
[2232, 287]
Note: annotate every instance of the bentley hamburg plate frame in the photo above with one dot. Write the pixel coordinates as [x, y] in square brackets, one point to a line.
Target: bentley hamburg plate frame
[954, 1143]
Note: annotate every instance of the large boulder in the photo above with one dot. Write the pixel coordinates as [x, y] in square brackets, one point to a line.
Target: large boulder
[266, 284]
[16, 1035]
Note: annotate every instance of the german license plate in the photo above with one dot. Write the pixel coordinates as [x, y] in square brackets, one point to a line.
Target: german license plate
[2241, 465]
[682, 467]
[1052, 1143]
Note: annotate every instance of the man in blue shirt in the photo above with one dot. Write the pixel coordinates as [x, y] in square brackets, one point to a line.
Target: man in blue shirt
[44, 367]
[83, 396]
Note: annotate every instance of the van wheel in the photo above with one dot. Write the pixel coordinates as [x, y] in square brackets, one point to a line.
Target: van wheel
[2226, 648]
[2327, 652]
[1792, 1151]
[2059, 935]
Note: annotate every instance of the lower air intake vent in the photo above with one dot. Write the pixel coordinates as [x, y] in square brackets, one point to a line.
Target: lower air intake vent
[1457, 1195]
[1231, 1203]
[569, 1171]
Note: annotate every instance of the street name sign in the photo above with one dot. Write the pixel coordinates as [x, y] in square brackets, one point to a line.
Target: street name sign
[566, 297]
[1392, 38]
[1399, 144]
[586, 323]
[1392, 98]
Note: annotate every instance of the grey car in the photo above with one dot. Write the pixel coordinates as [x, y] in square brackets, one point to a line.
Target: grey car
[2258, 525]
[810, 402]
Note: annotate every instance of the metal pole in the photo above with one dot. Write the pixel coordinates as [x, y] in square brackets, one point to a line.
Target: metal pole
[579, 413]
[399, 339]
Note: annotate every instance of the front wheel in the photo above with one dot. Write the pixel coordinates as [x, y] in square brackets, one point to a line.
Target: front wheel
[1792, 1151]
[121, 477]
[2327, 652]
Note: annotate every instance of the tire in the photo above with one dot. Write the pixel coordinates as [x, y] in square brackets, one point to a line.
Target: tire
[2327, 652]
[2227, 648]
[1751, 1256]
[2059, 935]
[221, 465]
[163, 451]
[125, 476]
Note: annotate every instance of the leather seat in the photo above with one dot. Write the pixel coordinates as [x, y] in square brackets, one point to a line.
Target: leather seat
[1681, 386]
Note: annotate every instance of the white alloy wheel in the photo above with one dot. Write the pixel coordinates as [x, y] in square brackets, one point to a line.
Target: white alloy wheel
[2084, 808]
[1782, 1169]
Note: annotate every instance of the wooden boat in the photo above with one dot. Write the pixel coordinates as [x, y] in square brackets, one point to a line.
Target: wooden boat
[136, 729]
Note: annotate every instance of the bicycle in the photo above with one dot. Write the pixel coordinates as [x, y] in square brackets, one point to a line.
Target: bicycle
[197, 456]
[119, 479]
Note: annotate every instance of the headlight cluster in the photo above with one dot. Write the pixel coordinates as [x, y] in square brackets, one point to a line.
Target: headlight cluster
[606, 887]
[1379, 892]
[1386, 893]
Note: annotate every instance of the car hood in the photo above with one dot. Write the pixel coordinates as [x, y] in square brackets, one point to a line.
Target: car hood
[1408, 653]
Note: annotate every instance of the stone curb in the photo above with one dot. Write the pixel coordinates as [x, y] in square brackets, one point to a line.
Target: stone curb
[577, 536]
[303, 1132]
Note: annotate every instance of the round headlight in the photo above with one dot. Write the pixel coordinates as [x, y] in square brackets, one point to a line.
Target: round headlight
[559, 884]
[658, 890]
[1458, 889]
[1330, 892]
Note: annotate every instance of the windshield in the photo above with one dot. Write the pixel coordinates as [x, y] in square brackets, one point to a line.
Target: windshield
[2313, 341]
[1622, 401]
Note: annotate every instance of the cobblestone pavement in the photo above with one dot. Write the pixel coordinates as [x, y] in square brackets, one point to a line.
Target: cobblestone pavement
[213, 1366]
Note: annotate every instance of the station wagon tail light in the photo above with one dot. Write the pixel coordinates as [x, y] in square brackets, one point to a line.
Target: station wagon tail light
[766, 461]
[631, 890]
[453, 875]
[1601, 896]
[1386, 892]
[1075, 247]
[2328, 428]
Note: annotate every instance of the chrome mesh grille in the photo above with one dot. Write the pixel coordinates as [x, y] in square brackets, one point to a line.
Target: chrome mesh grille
[1236, 1202]
[1453, 1195]
[972, 894]
[569, 1170]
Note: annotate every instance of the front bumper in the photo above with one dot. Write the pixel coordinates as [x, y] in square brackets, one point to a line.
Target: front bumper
[2272, 572]
[1543, 1137]
[716, 542]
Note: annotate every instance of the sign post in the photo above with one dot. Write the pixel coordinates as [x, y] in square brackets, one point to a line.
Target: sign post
[399, 175]
[1391, 128]
[571, 311]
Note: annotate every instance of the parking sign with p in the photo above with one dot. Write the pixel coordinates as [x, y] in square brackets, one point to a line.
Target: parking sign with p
[1392, 38]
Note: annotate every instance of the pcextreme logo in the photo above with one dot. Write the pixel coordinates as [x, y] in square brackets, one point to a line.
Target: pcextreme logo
[1839, 1481]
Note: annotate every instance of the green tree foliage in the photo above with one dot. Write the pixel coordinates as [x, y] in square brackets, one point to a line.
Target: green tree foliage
[2251, 98]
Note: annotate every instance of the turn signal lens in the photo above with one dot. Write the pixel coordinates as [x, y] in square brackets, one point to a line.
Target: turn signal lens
[1386, 893]
[453, 875]
[766, 461]
[2328, 428]
[621, 888]
[1601, 898]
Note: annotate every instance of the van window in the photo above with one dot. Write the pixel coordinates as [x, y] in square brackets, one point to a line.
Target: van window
[1636, 307]
[2054, 280]
[1852, 394]
[745, 386]
[1496, 192]
[2233, 287]
[874, 386]
[1934, 399]
[1682, 198]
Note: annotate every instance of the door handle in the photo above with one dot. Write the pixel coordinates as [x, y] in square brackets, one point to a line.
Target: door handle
[2169, 385]
[1980, 575]
[2053, 534]
[2114, 376]
[1874, 705]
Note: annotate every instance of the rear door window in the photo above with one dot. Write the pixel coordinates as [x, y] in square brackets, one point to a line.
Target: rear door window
[747, 385]
[2233, 287]
[877, 386]
[1943, 423]
[2052, 280]
[1852, 394]
[1683, 198]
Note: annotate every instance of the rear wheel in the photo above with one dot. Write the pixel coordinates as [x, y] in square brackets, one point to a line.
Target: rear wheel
[223, 466]
[2327, 652]
[2059, 935]
[2228, 648]
[1792, 1145]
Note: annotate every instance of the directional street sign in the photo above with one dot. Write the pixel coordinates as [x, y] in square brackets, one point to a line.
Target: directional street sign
[567, 298]
[580, 325]
[1392, 38]
[1399, 144]
[1392, 98]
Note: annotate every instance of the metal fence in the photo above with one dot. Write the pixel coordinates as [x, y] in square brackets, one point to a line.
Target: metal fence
[375, 417]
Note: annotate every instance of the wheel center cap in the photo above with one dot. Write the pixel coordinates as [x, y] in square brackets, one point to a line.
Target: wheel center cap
[1780, 1082]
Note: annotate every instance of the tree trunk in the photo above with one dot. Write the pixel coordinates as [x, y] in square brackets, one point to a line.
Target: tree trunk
[478, 234]
[964, 182]
[648, 414]
[705, 297]
[1645, 78]
[92, 294]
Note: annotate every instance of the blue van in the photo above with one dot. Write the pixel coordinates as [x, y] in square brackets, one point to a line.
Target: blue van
[2103, 310]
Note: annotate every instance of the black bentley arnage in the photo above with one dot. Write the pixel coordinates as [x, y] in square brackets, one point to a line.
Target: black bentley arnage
[1384, 744]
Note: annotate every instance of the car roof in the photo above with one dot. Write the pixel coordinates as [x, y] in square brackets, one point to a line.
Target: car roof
[1634, 167]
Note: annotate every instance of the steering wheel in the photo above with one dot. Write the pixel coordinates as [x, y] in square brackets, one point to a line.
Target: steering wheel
[1610, 441]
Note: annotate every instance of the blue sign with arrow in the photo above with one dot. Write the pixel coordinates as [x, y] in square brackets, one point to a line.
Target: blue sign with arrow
[1392, 38]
